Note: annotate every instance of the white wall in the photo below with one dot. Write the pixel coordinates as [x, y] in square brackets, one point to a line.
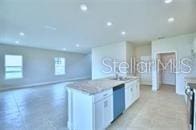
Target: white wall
[114, 51]
[119, 51]
[129, 56]
[182, 45]
[38, 66]
[143, 52]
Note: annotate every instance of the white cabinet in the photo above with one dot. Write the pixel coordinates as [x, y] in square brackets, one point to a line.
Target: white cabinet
[99, 116]
[96, 112]
[89, 112]
[132, 92]
[103, 113]
[108, 111]
[145, 78]
[194, 45]
[128, 95]
[138, 90]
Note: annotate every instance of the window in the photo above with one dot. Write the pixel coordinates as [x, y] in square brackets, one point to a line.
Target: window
[13, 67]
[59, 66]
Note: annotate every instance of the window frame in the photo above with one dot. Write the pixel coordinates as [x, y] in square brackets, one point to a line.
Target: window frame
[55, 67]
[21, 67]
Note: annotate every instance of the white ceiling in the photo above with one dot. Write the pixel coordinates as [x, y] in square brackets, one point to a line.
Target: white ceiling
[143, 20]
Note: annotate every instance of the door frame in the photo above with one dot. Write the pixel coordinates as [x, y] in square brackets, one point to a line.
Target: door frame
[155, 74]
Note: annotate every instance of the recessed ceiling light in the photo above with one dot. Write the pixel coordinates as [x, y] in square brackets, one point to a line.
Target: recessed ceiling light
[64, 49]
[17, 42]
[21, 34]
[109, 24]
[83, 7]
[77, 45]
[171, 20]
[123, 33]
[168, 1]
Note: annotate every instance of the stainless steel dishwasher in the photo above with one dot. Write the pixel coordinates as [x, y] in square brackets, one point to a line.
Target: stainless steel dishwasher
[119, 100]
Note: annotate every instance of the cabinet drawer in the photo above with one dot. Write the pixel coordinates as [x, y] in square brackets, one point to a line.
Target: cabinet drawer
[103, 95]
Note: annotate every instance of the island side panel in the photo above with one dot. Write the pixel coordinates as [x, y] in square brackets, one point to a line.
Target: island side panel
[70, 106]
[80, 113]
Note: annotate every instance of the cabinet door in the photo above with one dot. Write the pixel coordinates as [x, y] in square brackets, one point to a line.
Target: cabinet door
[99, 115]
[131, 98]
[138, 89]
[103, 113]
[108, 111]
[194, 45]
[132, 92]
[128, 96]
[135, 91]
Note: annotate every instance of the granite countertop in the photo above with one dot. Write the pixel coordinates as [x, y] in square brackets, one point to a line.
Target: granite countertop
[95, 86]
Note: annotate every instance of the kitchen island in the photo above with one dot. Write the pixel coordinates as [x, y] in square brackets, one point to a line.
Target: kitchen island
[95, 104]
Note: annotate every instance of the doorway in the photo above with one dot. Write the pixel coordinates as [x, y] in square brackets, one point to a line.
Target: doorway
[166, 70]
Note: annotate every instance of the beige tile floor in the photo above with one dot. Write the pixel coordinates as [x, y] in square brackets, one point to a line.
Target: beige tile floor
[38, 108]
[162, 110]
[45, 108]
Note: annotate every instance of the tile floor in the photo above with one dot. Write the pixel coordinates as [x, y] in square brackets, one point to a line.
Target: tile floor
[162, 110]
[40, 108]
[45, 108]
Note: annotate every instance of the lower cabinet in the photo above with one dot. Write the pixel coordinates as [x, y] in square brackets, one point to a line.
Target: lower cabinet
[132, 92]
[128, 96]
[138, 90]
[96, 112]
[194, 45]
[103, 113]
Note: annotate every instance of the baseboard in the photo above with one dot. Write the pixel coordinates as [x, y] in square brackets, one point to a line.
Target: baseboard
[146, 83]
[169, 85]
[43, 83]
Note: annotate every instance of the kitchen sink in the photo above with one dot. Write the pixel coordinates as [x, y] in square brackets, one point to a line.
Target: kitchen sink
[124, 78]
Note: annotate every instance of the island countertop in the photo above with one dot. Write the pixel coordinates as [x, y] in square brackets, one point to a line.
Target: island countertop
[95, 86]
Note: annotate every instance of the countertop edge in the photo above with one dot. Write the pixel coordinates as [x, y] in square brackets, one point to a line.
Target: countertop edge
[94, 93]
